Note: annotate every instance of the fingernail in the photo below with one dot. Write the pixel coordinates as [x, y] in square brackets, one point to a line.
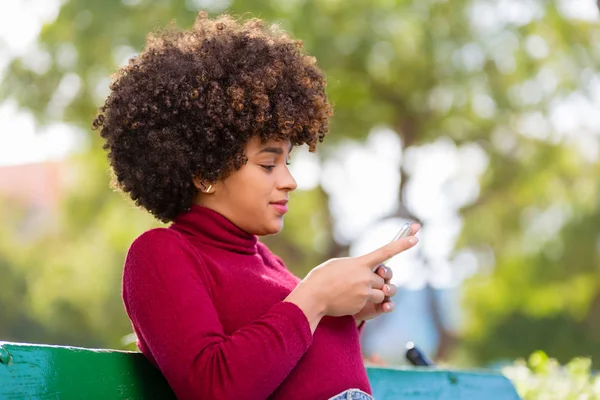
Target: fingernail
[387, 288]
[390, 307]
[412, 240]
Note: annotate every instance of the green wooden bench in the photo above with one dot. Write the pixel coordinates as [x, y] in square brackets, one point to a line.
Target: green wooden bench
[54, 372]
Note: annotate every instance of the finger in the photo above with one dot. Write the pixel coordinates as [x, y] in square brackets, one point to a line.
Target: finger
[379, 309]
[388, 306]
[388, 251]
[377, 282]
[389, 289]
[384, 272]
[414, 228]
[376, 296]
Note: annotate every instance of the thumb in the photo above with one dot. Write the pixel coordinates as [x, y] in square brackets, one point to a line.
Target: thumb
[388, 251]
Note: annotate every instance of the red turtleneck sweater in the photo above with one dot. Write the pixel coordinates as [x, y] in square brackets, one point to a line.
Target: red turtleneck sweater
[205, 300]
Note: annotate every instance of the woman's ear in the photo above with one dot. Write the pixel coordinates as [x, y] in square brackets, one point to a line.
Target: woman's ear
[197, 183]
[203, 186]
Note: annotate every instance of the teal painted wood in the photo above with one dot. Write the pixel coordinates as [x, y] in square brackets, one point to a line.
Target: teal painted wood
[70, 373]
[424, 383]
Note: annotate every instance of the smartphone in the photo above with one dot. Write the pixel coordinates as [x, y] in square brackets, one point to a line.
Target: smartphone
[404, 231]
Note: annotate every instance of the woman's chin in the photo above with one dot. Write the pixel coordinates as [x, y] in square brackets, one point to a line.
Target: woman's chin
[272, 228]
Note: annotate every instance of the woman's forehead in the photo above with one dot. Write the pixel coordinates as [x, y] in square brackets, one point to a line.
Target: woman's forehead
[278, 146]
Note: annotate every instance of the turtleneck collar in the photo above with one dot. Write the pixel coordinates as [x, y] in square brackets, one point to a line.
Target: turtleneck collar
[214, 229]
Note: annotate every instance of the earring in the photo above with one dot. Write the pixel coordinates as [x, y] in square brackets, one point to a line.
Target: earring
[208, 189]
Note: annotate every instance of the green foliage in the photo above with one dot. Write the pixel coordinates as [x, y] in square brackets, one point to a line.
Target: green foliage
[542, 377]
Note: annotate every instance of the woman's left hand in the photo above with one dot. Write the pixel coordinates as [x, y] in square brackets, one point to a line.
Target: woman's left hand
[372, 310]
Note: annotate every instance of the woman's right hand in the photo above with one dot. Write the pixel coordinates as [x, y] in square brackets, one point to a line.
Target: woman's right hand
[343, 286]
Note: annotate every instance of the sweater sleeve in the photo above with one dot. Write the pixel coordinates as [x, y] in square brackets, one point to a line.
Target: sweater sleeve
[173, 312]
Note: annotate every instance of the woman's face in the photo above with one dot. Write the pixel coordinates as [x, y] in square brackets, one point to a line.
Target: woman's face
[255, 197]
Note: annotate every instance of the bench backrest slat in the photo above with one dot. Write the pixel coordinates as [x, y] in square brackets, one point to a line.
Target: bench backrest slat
[69, 373]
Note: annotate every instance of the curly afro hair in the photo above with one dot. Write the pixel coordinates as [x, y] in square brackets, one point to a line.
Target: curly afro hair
[190, 101]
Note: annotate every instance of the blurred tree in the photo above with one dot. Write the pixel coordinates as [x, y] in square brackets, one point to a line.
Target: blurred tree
[16, 321]
[485, 74]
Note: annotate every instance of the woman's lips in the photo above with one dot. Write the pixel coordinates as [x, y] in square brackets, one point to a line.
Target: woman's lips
[280, 206]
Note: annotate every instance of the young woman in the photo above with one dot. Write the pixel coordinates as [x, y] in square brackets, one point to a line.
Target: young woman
[198, 129]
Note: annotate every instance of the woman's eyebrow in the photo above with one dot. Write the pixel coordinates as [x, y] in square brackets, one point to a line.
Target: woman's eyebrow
[274, 150]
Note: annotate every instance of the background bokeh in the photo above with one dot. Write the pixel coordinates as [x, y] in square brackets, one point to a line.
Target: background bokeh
[478, 118]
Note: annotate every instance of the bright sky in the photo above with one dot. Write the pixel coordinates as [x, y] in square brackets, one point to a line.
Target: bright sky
[21, 141]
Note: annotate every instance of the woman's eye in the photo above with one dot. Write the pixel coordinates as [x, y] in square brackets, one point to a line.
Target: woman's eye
[269, 168]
